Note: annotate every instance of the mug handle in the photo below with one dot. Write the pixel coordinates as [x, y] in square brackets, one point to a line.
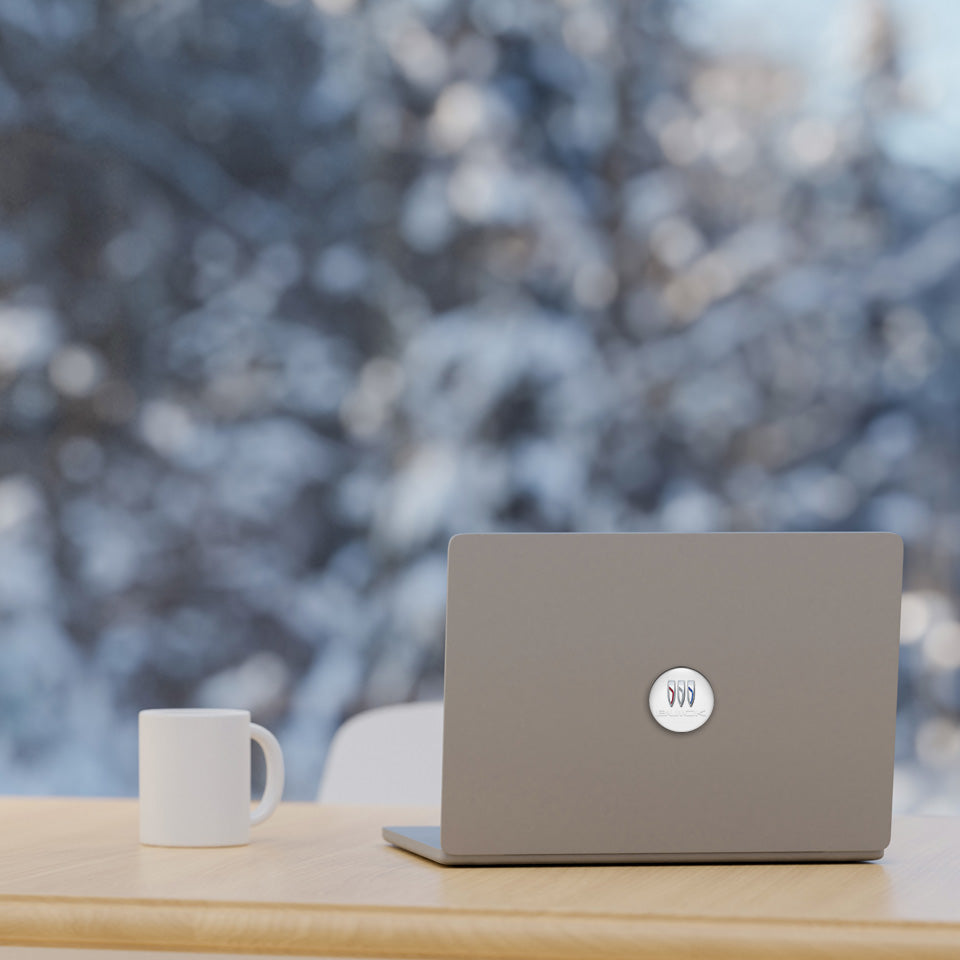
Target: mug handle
[273, 788]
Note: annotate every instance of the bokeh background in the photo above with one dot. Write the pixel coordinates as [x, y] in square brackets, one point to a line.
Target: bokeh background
[291, 292]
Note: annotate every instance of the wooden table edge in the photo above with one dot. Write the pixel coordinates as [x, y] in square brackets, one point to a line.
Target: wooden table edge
[360, 931]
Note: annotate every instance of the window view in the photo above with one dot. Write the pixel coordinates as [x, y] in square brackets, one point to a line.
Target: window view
[291, 292]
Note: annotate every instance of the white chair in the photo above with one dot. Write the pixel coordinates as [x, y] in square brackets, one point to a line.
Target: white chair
[391, 755]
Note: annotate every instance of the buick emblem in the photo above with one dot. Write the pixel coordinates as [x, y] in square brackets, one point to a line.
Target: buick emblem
[681, 699]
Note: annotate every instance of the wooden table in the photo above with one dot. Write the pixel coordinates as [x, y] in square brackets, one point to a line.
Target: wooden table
[319, 881]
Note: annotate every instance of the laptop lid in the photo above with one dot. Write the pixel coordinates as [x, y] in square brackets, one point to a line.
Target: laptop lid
[556, 742]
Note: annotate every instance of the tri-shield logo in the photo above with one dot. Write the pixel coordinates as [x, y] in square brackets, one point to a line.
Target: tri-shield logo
[681, 692]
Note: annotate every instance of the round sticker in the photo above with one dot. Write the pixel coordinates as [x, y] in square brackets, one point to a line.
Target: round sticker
[681, 699]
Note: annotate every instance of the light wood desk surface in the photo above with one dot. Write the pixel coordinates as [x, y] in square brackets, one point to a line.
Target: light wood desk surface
[320, 881]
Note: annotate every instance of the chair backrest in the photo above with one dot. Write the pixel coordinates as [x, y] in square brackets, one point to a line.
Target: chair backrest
[391, 755]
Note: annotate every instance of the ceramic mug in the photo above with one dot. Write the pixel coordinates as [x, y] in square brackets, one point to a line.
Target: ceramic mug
[195, 777]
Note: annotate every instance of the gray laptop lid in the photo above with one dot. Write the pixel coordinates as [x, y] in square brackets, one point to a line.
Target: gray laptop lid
[555, 640]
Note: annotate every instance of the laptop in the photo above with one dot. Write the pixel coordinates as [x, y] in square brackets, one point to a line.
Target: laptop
[667, 698]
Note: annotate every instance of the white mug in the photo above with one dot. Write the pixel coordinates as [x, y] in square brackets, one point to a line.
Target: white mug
[195, 777]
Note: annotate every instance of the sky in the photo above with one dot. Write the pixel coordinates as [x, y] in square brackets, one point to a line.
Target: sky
[822, 37]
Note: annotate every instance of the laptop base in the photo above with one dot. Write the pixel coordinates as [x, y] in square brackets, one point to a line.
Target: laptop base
[425, 842]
